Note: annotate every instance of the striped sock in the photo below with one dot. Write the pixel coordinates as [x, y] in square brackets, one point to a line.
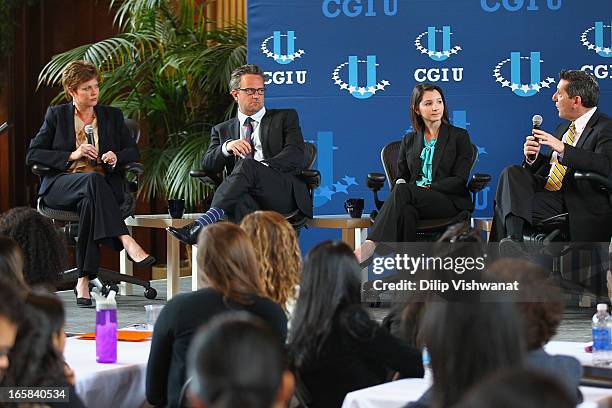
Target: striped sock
[211, 216]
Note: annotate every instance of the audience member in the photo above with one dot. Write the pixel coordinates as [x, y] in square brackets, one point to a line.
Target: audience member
[467, 342]
[38, 349]
[10, 317]
[278, 254]
[44, 249]
[335, 346]
[226, 262]
[518, 387]
[11, 263]
[237, 361]
[541, 308]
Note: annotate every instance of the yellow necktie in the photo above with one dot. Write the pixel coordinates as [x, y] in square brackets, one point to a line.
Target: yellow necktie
[557, 171]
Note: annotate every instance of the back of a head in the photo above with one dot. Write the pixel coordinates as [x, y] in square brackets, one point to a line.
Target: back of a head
[236, 361]
[277, 251]
[11, 262]
[226, 262]
[518, 388]
[330, 282]
[44, 249]
[467, 342]
[11, 304]
[38, 362]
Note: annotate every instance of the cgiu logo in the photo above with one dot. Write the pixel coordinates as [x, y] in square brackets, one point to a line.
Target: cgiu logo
[515, 84]
[371, 86]
[276, 53]
[492, 6]
[600, 46]
[431, 51]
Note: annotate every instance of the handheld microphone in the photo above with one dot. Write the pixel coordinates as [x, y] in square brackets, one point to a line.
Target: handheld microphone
[536, 121]
[89, 131]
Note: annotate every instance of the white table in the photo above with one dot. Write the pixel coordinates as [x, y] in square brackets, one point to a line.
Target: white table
[396, 394]
[172, 250]
[117, 385]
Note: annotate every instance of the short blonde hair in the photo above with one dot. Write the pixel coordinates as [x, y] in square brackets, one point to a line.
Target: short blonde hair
[278, 254]
[76, 73]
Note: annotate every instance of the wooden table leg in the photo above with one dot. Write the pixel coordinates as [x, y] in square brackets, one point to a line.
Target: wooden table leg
[172, 264]
[126, 267]
[348, 236]
[194, 267]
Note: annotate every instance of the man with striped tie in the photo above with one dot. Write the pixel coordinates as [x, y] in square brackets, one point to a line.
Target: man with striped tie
[544, 185]
[261, 150]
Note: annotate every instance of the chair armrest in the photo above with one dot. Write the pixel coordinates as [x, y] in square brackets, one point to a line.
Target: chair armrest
[134, 168]
[210, 179]
[311, 177]
[40, 169]
[376, 181]
[605, 182]
[478, 182]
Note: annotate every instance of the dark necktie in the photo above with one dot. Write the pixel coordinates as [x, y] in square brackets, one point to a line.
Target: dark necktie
[248, 135]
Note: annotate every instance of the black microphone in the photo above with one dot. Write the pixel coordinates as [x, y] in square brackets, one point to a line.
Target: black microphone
[536, 121]
[89, 131]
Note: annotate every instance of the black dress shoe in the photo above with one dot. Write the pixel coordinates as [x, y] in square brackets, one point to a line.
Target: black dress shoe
[84, 302]
[187, 234]
[148, 261]
[511, 248]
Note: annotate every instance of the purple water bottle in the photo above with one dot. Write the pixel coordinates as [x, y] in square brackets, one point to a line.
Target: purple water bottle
[106, 329]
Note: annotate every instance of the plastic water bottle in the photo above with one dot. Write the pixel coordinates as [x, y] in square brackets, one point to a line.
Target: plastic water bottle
[426, 357]
[106, 328]
[601, 336]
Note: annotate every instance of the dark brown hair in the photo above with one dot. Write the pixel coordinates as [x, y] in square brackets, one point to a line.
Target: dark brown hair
[415, 100]
[11, 262]
[583, 85]
[76, 73]
[227, 263]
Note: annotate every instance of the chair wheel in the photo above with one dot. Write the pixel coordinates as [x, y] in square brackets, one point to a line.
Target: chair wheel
[150, 293]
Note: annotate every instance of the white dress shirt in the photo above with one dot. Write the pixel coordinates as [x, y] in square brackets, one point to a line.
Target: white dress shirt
[255, 136]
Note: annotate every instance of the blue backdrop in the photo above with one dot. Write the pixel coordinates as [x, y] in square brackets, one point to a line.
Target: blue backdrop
[348, 67]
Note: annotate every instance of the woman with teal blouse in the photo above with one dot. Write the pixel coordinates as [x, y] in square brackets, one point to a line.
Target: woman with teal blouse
[433, 166]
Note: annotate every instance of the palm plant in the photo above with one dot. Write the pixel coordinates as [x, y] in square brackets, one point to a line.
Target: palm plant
[166, 69]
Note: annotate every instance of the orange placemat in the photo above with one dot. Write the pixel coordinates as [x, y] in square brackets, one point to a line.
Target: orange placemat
[122, 335]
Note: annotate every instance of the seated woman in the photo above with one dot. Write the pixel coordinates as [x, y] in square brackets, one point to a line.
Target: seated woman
[237, 361]
[37, 356]
[11, 263]
[43, 247]
[335, 347]
[230, 276]
[83, 143]
[434, 163]
[278, 254]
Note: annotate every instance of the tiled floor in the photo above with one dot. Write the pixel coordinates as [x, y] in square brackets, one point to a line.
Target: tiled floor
[576, 325]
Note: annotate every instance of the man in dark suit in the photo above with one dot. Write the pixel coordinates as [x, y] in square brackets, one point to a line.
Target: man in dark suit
[544, 186]
[261, 150]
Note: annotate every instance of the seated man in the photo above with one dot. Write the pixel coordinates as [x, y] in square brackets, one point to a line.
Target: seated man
[544, 186]
[262, 150]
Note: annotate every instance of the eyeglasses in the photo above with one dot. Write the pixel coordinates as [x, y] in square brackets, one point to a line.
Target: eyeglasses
[252, 91]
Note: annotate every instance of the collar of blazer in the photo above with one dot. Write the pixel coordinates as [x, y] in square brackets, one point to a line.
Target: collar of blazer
[264, 130]
[441, 143]
[588, 129]
[101, 119]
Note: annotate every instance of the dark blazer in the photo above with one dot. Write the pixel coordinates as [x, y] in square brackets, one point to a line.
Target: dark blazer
[451, 165]
[590, 212]
[56, 139]
[282, 144]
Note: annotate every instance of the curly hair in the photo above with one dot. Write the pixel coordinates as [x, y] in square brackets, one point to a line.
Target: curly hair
[11, 262]
[76, 73]
[278, 254]
[44, 248]
[541, 304]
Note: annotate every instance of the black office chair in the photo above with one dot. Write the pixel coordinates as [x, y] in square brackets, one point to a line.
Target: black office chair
[70, 219]
[310, 176]
[428, 229]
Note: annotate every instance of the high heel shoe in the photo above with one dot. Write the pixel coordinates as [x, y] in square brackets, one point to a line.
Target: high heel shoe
[148, 261]
[81, 301]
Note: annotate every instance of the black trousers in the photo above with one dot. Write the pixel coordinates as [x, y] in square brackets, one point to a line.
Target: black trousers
[521, 193]
[100, 219]
[406, 204]
[254, 186]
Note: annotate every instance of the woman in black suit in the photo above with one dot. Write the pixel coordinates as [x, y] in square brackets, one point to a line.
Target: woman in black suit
[433, 167]
[85, 176]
